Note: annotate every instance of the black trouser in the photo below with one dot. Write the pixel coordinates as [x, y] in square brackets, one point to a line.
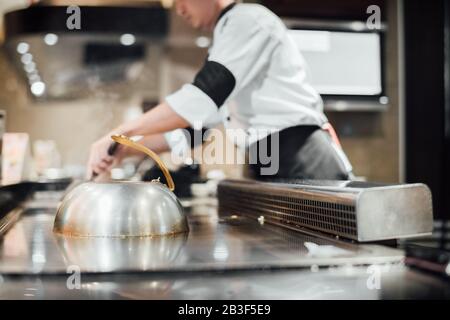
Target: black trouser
[305, 152]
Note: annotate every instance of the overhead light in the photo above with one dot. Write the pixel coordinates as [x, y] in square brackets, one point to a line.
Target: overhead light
[38, 88]
[30, 67]
[50, 39]
[127, 39]
[27, 58]
[203, 42]
[23, 47]
[358, 26]
[34, 77]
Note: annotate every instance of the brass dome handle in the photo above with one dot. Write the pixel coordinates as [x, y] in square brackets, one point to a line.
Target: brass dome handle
[124, 140]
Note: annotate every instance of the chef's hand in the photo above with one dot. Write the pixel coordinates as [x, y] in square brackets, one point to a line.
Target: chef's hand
[100, 161]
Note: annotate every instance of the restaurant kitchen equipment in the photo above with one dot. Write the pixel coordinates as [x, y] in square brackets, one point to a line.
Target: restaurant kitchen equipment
[122, 209]
[105, 52]
[349, 209]
[222, 257]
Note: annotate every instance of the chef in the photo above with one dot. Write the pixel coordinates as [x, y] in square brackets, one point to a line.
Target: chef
[254, 81]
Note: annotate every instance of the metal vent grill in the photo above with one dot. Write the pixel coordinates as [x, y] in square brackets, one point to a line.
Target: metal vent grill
[354, 210]
[291, 208]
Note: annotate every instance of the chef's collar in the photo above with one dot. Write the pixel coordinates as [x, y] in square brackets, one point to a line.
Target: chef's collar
[225, 10]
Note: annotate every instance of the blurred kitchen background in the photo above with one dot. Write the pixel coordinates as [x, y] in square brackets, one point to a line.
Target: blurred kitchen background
[385, 90]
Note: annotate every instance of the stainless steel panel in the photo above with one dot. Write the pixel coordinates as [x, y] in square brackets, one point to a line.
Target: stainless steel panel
[394, 212]
[353, 210]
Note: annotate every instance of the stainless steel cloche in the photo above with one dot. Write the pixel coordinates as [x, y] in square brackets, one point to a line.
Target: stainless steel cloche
[122, 209]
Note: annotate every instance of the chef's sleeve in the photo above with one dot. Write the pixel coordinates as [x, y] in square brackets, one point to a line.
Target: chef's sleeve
[193, 105]
[190, 138]
[242, 53]
[242, 48]
[176, 140]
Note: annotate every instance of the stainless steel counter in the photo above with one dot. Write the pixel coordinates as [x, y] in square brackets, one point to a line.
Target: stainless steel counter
[235, 258]
[30, 247]
[397, 282]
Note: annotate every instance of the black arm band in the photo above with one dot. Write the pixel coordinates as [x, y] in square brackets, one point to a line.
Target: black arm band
[216, 81]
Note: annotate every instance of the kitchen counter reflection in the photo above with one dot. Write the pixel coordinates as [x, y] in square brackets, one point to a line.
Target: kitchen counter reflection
[213, 244]
[396, 282]
[112, 254]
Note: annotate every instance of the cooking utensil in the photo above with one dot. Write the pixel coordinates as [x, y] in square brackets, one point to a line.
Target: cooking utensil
[75, 183]
[122, 209]
[111, 152]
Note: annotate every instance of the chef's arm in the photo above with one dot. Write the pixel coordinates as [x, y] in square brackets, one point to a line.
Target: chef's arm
[156, 142]
[156, 121]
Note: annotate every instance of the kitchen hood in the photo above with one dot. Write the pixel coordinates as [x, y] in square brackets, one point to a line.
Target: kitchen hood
[63, 58]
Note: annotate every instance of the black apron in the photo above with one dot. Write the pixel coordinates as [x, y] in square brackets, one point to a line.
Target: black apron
[305, 152]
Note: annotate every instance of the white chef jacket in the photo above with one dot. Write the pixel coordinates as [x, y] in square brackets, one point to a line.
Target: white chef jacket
[254, 79]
